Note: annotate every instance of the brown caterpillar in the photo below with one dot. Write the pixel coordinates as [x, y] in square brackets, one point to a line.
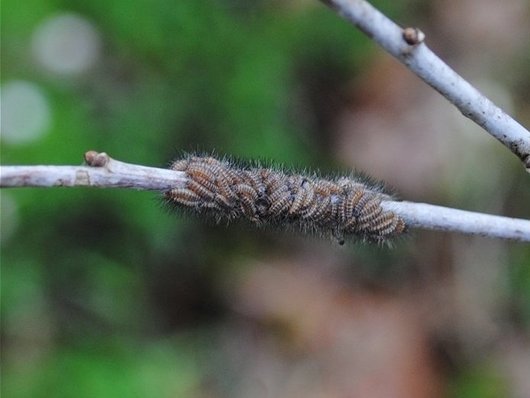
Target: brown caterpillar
[343, 207]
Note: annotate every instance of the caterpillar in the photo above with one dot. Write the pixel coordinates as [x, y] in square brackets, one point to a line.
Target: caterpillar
[342, 208]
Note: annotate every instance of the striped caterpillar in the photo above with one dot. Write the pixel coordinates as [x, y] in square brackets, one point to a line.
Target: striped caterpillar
[342, 207]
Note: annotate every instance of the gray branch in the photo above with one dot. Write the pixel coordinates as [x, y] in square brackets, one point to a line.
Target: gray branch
[100, 171]
[105, 172]
[426, 216]
[408, 47]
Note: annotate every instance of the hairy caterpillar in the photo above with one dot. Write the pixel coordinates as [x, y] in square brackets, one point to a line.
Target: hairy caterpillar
[343, 207]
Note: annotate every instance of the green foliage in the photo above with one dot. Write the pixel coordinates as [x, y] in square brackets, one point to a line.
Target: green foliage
[479, 382]
[109, 369]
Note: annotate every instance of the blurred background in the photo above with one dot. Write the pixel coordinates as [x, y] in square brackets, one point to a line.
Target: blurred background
[105, 293]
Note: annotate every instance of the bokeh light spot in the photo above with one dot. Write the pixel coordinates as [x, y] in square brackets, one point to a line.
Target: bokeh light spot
[25, 113]
[66, 44]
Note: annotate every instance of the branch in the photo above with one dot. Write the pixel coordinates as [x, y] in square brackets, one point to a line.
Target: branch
[408, 47]
[105, 172]
[101, 171]
[425, 216]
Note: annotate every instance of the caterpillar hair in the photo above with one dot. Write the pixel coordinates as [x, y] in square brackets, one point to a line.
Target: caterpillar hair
[346, 207]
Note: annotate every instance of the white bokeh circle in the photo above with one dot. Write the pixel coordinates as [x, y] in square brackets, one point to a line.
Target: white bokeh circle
[66, 44]
[25, 113]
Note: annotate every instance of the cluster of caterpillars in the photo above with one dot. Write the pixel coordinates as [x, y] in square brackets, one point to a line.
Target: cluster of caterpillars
[341, 207]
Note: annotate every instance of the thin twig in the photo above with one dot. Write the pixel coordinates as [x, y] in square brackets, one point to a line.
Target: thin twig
[408, 47]
[105, 172]
[101, 171]
[426, 216]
